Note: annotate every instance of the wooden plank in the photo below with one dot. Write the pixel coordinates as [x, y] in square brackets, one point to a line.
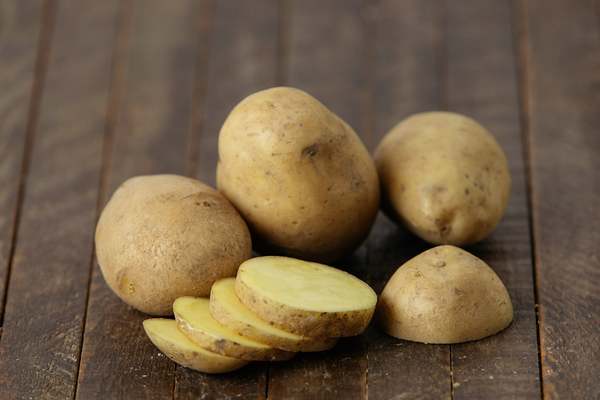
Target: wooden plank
[336, 75]
[407, 79]
[243, 60]
[45, 307]
[157, 64]
[20, 26]
[561, 59]
[481, 82]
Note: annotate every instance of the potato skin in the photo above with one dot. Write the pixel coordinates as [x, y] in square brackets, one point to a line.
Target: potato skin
[222, 314]
[304, 322]
[444, 295]
[444, 177]
[201, 360]
[165, 236]
[298, 174]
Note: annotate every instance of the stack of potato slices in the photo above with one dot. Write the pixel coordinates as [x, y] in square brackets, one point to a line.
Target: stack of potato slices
[275, 307]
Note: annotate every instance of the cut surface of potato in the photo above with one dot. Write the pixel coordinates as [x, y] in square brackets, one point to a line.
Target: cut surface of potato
[168, 339]
[226, 308]
[195, 321]
[305, 298]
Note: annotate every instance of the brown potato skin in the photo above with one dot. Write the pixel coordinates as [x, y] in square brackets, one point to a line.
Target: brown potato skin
[298, 174]
[444, 295]
[444, 177]
[161, 237]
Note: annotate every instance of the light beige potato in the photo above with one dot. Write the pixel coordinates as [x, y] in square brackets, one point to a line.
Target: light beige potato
[444, 295]
[194, 320]
[228, 310]
[168, 339]
[161, 237]
[299, 175]
[305, 298]
[444, 177]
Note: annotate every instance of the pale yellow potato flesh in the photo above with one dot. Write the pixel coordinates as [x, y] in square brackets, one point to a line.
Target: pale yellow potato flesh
[226, 308]
[305, 298]
[195, 321]
[444, 295]
[168, 339]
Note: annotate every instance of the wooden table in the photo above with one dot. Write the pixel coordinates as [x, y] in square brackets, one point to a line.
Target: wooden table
[93, 92]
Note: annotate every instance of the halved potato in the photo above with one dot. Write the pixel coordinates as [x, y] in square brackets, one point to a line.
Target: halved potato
[226, 308]
[194, 319]
[305, 298]
[168, 338]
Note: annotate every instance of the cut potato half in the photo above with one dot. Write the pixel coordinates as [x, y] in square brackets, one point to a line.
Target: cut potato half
[168, 338]
[226, 308]
[305, 298]
[194, 319]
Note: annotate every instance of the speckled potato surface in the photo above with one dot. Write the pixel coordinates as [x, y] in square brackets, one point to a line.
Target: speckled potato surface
[195, 321]
[299, 175]
[165, 335]
[305, 298]
[444, 176]
[161, 237]
[228, 310]
[444, 295]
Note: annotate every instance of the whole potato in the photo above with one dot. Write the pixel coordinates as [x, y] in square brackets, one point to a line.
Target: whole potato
[298, 174]
[444, 295]
[444, 176]
[165, 236]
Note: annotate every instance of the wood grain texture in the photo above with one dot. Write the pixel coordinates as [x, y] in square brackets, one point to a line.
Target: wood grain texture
[561, 56]
[155, 69]
[20, 26]
[328, 61]
[407, 79]
[40, 346]
[481, 82]
[243, 59]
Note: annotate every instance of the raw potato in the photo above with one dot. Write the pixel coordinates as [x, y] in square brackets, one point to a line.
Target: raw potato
[227, 309]
[444, 176]
[298, 174]
[194, 319]
[305, 298]
[161, 237]
[444, 295]
[166, 336]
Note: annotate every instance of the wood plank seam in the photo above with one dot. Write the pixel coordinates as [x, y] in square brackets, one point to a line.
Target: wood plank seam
[114, 97]
[199, 94]
[41, 62]
[520, 40]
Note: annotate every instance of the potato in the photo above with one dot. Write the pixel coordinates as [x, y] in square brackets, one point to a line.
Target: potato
[175, 345]
[298, 174]
[194, 320]
[227, 309]
[444, 176]
[444, 295]
[305, 298]
[165, 236]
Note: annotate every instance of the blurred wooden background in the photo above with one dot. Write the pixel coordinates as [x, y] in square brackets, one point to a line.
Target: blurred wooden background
[93, 92]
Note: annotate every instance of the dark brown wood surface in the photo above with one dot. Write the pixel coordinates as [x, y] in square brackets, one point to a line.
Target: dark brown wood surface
[94, 92]
[561, 94]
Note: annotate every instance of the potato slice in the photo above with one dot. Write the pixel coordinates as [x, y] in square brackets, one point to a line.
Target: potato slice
[305, 298]
[168, 338]
[226, 308]
[194, 319]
